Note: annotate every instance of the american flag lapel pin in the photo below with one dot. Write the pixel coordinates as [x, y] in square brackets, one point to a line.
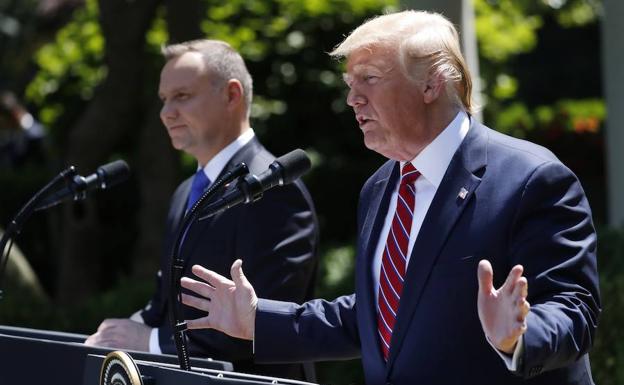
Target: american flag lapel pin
[463, 193]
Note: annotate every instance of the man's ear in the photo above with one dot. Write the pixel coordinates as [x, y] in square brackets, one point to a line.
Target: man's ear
[234, 92]
[432, 88]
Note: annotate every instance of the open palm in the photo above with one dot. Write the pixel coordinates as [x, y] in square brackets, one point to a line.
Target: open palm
[502, 312]
[230, 304]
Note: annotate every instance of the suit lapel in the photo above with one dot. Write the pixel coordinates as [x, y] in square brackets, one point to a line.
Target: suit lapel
[176, 214]
[454, 193]
[245, 154]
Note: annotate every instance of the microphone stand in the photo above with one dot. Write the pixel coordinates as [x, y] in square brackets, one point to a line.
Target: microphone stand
[15, 226]
[178, 325]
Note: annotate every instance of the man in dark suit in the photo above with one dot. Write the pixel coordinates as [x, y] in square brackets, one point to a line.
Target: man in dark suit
[206, 92]
[455, 202]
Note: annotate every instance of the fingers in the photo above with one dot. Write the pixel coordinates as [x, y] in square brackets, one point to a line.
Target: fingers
[109, 323]
[512, 279]
[197, 303]
[519, 295]
[485, 276]
[525, 307]
[237, 274]
[210, 276]
[524, 287]
[102, 339]
[522, 306]
[199, 323]
[91, 340]
[201, 288]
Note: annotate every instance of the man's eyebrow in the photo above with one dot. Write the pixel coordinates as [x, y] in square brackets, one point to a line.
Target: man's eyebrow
[173, 91]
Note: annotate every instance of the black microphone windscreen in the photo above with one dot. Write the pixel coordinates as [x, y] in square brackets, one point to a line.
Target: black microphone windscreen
[113, 173]
[294, 164]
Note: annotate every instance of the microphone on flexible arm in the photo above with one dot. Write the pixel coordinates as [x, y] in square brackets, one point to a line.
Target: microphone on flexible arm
[103, 178]
[76, 188]
[177, 264]
[284, 170]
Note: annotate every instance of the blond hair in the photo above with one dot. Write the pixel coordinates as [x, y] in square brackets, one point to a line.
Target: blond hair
[427, 44]
[221, 59]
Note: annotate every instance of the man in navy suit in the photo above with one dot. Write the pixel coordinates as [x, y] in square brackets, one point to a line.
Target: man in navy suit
[455, 202]
[206, 92]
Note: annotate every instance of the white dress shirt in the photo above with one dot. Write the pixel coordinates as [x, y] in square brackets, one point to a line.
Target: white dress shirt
[432, 163]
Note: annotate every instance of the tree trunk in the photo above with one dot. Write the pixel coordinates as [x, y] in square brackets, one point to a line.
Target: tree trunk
[111, 117]
[158, 161]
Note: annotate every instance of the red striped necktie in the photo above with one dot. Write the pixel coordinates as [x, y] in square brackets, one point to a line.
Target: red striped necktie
[394, 258]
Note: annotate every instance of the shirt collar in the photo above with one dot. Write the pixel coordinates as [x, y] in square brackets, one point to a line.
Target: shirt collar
[214, 167]
[434, 159]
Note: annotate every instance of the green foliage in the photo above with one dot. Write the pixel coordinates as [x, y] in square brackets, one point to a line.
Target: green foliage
[336, 273]
[507, 30]
[506, 87]
[515, 120]
[578, 12]
[277, 32]
[157, 35]
[503, 29]
[578, 116]
[72, 65]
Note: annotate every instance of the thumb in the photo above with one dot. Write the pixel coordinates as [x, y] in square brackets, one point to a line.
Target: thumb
[485, 276]
[237, 274]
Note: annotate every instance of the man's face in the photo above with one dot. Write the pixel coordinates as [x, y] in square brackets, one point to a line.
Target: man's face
[388, 106]
[194, 109]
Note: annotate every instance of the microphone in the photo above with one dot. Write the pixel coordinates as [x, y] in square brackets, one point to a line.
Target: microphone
[104, 177]
[283, 170]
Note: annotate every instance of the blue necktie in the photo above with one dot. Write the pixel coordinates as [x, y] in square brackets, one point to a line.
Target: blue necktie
[199, 185]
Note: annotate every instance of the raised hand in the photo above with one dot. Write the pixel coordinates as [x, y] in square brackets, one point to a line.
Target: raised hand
[121, 334]
[231, 304]
[502, 312]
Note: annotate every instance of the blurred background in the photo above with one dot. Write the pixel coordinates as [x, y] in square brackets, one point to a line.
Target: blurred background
[78, 86]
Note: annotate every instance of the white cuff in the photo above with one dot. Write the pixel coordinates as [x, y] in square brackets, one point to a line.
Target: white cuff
[137, 317]
[154, 346]
[510, 361]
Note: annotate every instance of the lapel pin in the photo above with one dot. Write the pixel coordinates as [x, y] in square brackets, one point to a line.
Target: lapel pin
[462, 193]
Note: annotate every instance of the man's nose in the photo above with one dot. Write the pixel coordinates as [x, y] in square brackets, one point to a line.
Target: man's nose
[355, 98]
[167, 112]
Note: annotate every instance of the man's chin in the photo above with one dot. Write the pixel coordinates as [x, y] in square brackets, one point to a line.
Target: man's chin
[178, 144]
[373, 143]
[382, 150]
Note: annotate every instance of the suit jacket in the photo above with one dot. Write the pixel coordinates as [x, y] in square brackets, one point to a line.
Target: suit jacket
[276, 237]
[523, 207]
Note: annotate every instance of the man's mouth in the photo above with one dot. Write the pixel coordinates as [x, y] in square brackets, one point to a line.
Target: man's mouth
[362, 120]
